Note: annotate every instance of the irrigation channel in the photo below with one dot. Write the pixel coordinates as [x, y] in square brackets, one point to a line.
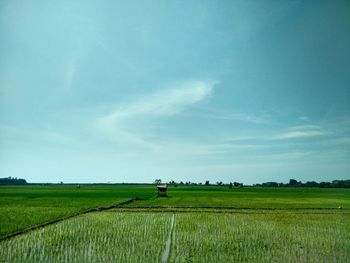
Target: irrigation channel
[165, 254]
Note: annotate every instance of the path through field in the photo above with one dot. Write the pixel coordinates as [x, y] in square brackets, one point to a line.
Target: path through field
[166, 251]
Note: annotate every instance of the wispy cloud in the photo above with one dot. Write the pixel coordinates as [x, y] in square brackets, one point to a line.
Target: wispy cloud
[301, 132]
[123, 123]
[232, 115]
[295, 132]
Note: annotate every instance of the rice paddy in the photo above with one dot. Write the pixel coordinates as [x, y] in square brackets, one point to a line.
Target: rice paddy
[219, 225]
[194, 237]
[24, 206]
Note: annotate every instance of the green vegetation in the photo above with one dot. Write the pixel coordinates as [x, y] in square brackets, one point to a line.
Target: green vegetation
[263, 237]
[196, 237]
[291, 183]
[24, 206]
[96, 237]
[250, 197]
[12, 181]
[194, 224]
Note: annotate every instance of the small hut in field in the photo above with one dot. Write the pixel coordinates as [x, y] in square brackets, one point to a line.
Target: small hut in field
[162, 188]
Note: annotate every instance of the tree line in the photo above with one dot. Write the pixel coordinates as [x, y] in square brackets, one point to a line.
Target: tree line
[291, 183]
[12, 181]
[295, 183]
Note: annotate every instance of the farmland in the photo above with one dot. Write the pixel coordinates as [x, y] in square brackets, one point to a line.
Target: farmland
[249, 197]
[192, 224]
[102, 237]
[24, 206]
[196, 237]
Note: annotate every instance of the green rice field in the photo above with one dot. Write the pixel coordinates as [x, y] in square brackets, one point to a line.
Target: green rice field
[192, 224]
[24, 206]
[250, 197]
[194, 237]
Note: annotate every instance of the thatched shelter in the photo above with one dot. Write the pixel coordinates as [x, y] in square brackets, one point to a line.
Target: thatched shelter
[162, 188]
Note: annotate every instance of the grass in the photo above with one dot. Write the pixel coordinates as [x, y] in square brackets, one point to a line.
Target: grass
[254, 198]
[96, 237]
[24, 206]
[212, 224]
[265, 237]
[272, 236]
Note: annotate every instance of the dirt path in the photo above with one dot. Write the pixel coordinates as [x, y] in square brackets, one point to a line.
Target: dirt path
[166, 251]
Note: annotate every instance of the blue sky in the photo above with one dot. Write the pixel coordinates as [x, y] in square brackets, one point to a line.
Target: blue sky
[131, 91]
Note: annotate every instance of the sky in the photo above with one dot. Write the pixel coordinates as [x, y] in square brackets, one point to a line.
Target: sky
[132, 91]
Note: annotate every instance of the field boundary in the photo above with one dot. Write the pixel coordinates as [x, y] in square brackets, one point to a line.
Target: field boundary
[227, 211]
[90, 210]
[167, 249]
[176, 209]
[237, 208]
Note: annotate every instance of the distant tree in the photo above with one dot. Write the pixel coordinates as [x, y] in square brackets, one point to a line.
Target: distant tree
[236, 184]
[181, 182]
[230, 185]
[207, 182]
[158, 181]
[325, 185]
[341, 183]
[12, 181]
[270, 184]
[311, 184]
[346, 183]
[293, 182]
[219, 183]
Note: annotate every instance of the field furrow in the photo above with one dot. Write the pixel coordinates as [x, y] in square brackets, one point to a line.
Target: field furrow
[278, 236]
[95, 237]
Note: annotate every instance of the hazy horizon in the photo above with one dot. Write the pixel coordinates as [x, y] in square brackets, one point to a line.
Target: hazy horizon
[116, 91]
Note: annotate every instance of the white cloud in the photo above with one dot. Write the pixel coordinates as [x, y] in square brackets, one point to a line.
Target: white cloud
[305, 127]
[235, 116]
[164, 103]
[301, 132]
[123, 124]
